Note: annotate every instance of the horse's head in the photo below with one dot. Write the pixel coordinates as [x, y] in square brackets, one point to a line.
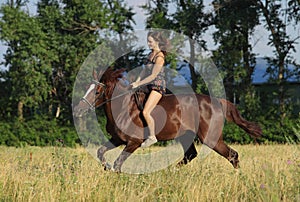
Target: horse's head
[99, 91]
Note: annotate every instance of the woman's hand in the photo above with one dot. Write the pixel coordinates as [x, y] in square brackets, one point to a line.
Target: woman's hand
[134, 84]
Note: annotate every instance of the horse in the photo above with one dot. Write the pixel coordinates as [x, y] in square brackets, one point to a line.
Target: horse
[201, 116]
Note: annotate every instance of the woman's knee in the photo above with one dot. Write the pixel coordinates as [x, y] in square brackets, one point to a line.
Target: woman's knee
[146, 114]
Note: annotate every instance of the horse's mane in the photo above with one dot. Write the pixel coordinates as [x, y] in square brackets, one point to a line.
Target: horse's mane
[111, 77]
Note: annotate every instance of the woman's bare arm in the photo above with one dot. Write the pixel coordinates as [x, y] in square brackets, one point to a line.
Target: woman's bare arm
[159, 62]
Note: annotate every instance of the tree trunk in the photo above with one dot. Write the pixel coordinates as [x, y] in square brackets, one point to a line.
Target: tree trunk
[192, 64]
[282, 49]
[281, 94]
[20, 110]
[57, 111]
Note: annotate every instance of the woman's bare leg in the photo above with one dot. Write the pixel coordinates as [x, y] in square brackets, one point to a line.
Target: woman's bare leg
[152, 101]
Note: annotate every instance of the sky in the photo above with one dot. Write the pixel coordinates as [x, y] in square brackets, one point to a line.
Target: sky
[259, 40]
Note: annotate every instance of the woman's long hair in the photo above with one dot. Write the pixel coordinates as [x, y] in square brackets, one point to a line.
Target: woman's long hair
[163, 42]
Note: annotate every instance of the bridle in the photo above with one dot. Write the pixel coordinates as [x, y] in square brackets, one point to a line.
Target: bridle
[92, 105]
[97, 83]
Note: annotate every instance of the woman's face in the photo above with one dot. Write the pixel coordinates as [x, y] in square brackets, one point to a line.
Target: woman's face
[152, 43]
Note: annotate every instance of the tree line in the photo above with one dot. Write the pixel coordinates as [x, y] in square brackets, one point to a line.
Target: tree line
[45, 51]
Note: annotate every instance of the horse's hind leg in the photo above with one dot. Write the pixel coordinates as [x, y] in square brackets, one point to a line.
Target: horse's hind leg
[212, 137]
[216, 143]
[230, 154]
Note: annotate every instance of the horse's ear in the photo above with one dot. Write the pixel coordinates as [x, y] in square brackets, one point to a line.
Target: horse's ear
[119, 73]
[95, 75]
[122, 71]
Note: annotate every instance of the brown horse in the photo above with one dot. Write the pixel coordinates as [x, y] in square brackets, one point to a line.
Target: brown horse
[201, 115]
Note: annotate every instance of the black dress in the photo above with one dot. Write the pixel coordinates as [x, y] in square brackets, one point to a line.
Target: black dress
[159, 83]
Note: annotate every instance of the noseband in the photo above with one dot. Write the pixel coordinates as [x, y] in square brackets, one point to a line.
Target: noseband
[92, 105]
[97, 83]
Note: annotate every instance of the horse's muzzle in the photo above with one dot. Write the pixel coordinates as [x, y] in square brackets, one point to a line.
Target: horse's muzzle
[79, 112]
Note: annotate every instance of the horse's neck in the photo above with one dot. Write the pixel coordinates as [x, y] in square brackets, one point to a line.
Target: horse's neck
[115, 107]
[108, 112]
[108, 108]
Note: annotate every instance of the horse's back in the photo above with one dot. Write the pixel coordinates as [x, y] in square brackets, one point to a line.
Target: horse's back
[194, 100]
[181, 113]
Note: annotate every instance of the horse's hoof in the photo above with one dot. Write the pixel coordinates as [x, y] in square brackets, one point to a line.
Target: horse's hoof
[107, 166]
[235, 164]
[116, 169]
[182, 162]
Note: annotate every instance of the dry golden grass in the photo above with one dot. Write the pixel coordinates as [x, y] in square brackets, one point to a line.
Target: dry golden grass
[267, 173]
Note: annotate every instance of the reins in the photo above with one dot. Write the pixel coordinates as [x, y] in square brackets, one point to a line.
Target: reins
[92, 105]
[118, 96]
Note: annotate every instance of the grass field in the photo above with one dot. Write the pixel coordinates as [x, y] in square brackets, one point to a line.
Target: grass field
[267, 173]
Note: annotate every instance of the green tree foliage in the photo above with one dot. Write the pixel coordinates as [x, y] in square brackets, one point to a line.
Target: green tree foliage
[72, 34]
[37, 131]
[235, 22]
[158, 16]
[122, 40]
[191, 20]
[46, 50]
[293, 11]
[27, 59]
[277, 19]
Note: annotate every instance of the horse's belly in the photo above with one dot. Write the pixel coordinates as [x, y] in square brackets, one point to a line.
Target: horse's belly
[173, 119]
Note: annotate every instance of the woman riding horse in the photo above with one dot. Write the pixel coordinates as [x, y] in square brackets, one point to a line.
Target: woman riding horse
[155, 80]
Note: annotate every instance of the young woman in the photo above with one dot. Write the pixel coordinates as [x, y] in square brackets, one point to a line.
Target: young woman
[155, 80]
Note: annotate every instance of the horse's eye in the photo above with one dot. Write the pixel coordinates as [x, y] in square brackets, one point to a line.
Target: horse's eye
[97, 93]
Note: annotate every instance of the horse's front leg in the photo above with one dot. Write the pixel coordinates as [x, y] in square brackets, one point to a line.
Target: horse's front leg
[190, 151]
[127, 151]
[103, 149]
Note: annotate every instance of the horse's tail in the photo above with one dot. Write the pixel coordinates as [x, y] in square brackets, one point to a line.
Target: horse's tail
[232, 114]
